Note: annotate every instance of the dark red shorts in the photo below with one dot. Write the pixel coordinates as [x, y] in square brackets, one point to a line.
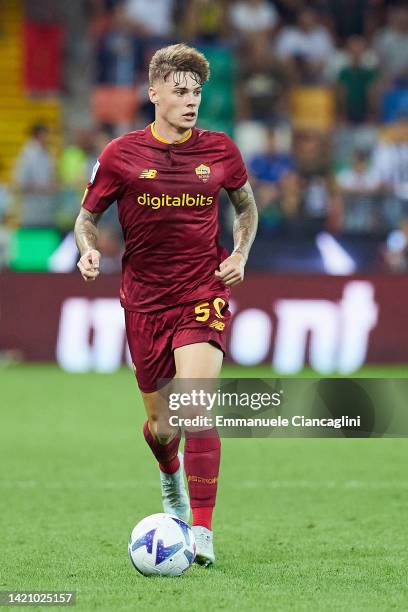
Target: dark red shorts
[153, 336]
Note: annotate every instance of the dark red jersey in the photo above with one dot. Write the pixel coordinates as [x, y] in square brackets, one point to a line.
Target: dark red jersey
[167, 197]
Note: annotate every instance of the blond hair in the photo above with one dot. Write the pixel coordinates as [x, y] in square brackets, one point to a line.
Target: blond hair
[178, 58]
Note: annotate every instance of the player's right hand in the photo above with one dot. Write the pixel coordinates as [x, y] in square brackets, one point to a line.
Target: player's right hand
[89, 265]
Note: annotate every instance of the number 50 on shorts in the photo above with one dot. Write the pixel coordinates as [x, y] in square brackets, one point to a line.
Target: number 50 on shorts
[203, 310]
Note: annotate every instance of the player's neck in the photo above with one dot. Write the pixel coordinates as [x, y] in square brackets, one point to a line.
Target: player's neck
[167, 133]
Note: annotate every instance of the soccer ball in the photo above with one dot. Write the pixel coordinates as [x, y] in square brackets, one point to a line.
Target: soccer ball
[162, 545]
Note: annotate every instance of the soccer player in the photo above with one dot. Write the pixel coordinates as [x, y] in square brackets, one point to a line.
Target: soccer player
[176, 278]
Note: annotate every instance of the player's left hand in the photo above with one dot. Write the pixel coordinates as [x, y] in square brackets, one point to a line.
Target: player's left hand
[231, 270]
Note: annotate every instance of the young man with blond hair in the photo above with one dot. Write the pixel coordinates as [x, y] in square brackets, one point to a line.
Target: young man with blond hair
[176, 278]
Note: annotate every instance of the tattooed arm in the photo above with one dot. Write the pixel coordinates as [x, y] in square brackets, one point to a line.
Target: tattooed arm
[86, 235]
[246, 221]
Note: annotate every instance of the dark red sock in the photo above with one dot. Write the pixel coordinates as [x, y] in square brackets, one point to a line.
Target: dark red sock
[202, 452]
[166, 454]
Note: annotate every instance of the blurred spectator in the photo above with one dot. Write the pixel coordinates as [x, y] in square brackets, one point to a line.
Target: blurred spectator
[118, 54]
[360, 184]
[205, 21]
[391, 44]
[99, 7]
[151, 18]
[35, 181]
[321, 205]
[275, 182]
[271, 165]
[110, 245]
[270, 212]
[134, 30]
[253, 17]
[360, 178]
[305, 48]
[262, 90]
[101, 137]
[100, 16]
[73, 175]
[347, 16]
[396, 249]
[355, 81]
[289, 10]
[390, 162]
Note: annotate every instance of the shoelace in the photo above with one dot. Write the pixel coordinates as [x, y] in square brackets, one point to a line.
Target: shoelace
[171, 492]
[203, 538]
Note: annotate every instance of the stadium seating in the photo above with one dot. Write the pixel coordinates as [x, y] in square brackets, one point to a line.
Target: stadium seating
[17, 111]
[313, 108]
[114, 104]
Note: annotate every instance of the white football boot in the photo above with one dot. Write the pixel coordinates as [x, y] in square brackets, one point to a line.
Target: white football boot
[205, 550]
[174, 494]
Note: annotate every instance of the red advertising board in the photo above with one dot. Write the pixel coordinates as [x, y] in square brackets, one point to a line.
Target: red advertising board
[333, 323]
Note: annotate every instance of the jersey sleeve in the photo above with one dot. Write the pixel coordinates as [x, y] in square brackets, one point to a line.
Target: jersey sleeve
[106, 182]
[235, 173]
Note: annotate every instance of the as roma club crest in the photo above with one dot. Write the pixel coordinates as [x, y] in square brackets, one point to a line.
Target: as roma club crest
[203, 172]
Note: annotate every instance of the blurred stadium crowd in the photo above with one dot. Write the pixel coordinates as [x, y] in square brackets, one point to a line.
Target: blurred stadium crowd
[315, 95]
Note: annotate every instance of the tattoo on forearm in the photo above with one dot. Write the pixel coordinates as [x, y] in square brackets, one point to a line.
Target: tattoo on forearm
[246, 218]
[86, 233]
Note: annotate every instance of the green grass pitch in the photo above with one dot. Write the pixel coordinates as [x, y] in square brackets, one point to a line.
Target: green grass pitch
[301, 524]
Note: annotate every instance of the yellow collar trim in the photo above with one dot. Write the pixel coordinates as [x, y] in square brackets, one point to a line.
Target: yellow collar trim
[157, 137]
